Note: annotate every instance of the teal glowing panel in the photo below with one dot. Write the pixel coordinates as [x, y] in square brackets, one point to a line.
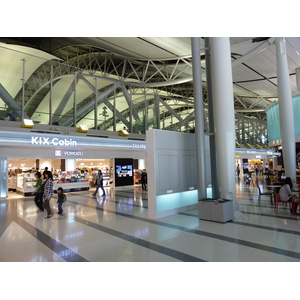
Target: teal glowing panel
[273, 119]
[176, 200]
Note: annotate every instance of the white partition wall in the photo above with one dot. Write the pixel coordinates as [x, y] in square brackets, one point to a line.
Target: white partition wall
[172, 172]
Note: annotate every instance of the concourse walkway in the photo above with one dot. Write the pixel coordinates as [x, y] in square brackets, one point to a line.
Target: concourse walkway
[116, 228]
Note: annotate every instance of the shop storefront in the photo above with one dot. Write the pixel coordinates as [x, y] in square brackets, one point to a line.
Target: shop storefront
[72, 160]
[247, 160]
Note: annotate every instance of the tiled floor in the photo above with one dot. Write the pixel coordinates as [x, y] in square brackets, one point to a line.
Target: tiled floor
[116, 229]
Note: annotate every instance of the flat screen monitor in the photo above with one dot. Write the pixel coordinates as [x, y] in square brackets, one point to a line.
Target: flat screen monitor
[124, 170]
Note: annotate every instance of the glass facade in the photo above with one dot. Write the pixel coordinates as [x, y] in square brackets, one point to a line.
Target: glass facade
[274, 120]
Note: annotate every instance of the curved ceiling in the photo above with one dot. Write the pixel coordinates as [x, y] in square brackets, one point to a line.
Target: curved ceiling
[140, 60]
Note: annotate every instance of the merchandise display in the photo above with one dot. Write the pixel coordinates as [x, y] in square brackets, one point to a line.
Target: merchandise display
[71, 181]
[12, 183]
[26, 183]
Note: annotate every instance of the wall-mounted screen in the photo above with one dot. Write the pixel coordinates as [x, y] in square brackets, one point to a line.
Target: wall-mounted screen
[124, 170]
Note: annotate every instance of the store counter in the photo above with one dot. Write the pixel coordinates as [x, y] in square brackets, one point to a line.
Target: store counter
[26, 184]
[80, 185]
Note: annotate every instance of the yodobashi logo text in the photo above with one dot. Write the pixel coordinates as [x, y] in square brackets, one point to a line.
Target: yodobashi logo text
[138, 146]
[52, 142]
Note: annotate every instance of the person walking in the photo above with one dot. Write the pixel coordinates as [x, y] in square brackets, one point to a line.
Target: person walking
[38, 199]
[48, 193]
[144, 180]
[238, 171]
[256, 169]
[261, 169]
[60, 199]
[99, 183]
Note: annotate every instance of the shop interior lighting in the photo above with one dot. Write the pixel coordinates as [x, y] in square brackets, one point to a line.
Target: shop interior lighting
[27, 123]
[82, 129]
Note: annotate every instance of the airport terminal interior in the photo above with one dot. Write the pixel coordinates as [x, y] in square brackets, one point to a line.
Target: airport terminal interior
[80, 105]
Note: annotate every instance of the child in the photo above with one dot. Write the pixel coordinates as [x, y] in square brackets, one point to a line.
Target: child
[61, 199]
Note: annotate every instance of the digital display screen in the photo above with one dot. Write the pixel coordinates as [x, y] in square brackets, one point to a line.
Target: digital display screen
[124, 170]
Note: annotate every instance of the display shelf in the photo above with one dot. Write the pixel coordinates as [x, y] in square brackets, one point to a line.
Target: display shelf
[26, 183]
[12, 183]
[75, 186]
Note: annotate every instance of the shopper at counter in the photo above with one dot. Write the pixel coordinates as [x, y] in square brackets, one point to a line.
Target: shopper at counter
[48, 193]
[46, 170]
[99, 183]
[38, 199]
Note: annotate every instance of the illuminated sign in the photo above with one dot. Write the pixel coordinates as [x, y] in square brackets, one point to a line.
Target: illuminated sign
[57, 153]
[68, 153]
[138, 146]
[54, 141]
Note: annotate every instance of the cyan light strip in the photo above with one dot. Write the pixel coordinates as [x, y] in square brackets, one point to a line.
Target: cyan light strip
[176, 200]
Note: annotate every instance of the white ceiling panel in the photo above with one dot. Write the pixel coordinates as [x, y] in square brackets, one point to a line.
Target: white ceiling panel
[237, 40]
[243, 73]
[240, 91]
[263, 89]
[264, 63]
[145, 48]
[178, 46]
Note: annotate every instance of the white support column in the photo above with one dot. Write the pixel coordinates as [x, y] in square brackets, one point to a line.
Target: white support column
[297, 70]
[23, 88]
[96, 105]
[51, 94]
[285, 110]
[75, 101]
[4, 178]
[199, 117]
[224, 116]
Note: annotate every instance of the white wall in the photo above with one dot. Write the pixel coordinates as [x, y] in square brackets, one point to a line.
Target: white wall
[172, 172]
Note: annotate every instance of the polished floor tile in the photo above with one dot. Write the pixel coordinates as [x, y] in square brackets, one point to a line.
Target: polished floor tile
[116, 228]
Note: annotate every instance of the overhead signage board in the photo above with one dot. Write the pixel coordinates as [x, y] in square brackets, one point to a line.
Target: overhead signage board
[55, 142]
[35, 140]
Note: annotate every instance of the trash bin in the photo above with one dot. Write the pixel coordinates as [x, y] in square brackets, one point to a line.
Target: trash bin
[217, 210]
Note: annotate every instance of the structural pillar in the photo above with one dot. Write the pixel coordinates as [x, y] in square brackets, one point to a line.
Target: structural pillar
[51, 94]
[199, 117]
[286, 115]
[224, 119]
[23, 89]
[96, 105]
[75, 101]
[212, 142]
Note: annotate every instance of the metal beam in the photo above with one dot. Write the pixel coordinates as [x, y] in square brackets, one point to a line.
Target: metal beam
[90, 105]
[118, 114]
[174, 113]
[63, 103]
[11, 103]
[129, 101]
[185, 121]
